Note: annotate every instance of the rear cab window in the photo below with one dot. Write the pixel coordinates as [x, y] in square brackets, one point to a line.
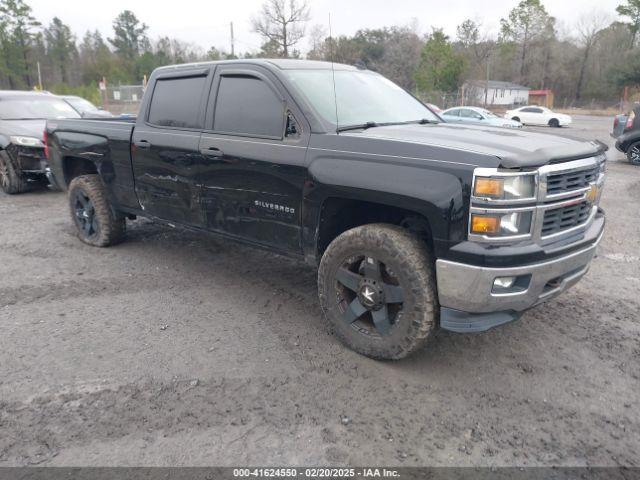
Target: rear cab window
[177, 102]
[248, 106]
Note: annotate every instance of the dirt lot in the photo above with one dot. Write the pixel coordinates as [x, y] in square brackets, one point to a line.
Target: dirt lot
[179, 349]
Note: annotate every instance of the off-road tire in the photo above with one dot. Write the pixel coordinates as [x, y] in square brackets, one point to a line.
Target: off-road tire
[633, 153]
[110, 227]
[554, 123]
[411, 262]
[10, 180]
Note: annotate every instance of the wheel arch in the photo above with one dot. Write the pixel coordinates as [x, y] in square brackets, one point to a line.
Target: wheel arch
[339, 214]
[346, 193]
[73, 166]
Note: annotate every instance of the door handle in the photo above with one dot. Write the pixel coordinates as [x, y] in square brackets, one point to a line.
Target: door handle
[212, 152]
[142, 144]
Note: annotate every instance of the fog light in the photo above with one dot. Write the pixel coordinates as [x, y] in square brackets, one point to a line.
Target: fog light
[504, 282]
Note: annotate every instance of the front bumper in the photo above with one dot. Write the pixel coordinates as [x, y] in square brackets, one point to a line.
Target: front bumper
[470, 302]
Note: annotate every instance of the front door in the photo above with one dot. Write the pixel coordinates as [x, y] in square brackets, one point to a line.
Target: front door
[255, 147]
[165, 153]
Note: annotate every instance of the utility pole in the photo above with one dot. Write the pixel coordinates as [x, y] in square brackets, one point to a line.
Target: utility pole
[233, 48]
[486, 87]
[39, 77]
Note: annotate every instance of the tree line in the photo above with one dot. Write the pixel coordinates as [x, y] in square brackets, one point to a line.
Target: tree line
[595, 57]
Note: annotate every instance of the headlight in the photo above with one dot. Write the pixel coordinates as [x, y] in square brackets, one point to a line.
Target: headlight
[26, 141]
[512, 187]
[603, 162]
[501, 224]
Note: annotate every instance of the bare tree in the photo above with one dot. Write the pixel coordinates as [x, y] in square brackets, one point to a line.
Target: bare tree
[317, 41]
[588, 27]
[282, 23]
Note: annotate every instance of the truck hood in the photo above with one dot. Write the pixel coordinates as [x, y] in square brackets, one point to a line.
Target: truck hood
[25, 128]
[513, 147]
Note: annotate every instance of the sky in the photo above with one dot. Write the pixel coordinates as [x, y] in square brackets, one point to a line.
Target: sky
[206, 23]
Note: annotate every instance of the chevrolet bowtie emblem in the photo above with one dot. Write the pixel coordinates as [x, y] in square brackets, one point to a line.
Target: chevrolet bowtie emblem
[592, 194]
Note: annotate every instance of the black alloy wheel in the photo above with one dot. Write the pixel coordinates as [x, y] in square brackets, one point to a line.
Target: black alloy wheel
[633, 154]
[372, 297]
[85, 215]
[4, 175]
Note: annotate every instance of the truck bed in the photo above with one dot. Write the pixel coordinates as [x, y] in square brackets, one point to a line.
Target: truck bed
[105, 143]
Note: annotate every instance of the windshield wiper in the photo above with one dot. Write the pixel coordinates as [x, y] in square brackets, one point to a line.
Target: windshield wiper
[362, 126]
[424, 121]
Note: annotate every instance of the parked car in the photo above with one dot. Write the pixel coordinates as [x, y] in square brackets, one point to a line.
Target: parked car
[533, 115]
[22, 122]
[85, 108]
[627, 131]
[478, 116]
[415, 224]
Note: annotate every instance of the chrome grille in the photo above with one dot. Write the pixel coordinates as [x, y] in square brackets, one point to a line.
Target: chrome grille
[568, 181]
[563, 218]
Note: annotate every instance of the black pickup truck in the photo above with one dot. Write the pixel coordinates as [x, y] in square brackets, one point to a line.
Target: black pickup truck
[415, 224]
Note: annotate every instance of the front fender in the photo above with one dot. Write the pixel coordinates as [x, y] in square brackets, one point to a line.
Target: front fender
[437, 192]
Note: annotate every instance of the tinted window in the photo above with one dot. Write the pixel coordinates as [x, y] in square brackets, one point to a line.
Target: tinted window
[532, 110]
[176, 102]
[247, 106]
[453, 113]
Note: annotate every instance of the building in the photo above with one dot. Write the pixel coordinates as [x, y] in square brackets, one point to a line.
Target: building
[542, 98]
[497, 93]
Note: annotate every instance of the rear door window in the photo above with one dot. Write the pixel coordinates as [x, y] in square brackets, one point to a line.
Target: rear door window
[177, 102]
[248, 106]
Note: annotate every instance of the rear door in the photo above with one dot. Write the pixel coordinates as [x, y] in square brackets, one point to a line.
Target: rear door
[165, 142]
[255, 147]
[532, 116]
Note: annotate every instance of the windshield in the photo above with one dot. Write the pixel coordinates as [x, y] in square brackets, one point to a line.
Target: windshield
[361, 97]
[81, 104]
[34, 108]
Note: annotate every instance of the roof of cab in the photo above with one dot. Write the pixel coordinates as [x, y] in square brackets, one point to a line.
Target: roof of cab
[23, 93]
[279, 63]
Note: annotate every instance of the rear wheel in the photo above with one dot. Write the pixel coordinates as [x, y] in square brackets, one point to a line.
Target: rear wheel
[554, 123]
[633, 153]
[10, 180]
[95, 221]
[377, 289]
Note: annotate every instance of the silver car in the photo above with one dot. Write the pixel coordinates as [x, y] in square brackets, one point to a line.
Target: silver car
[477, 116]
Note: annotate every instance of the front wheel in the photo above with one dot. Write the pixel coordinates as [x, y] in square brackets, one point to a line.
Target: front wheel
[95, 221]
[633, 153]
[377, 288]
[554, 123]
[10, 180]
[516, 119]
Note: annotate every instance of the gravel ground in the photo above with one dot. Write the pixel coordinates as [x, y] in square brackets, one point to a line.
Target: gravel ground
[175, 348]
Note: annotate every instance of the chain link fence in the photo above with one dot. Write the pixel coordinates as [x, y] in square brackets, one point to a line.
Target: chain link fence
[122, 99]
